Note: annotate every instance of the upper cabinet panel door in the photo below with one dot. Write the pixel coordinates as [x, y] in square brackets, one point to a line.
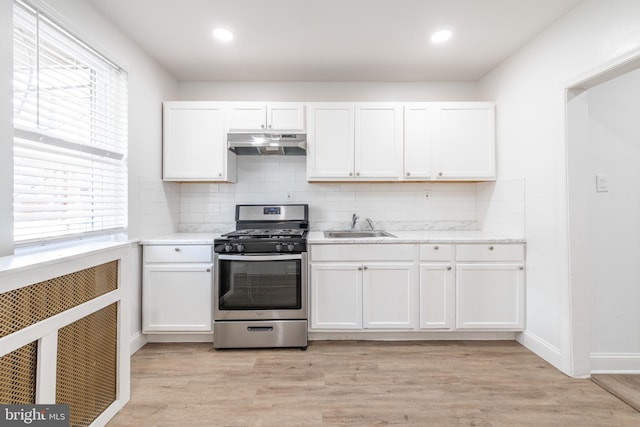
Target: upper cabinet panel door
[330, 136]
[378, 141]
[419, 129]
[465, 141]
[194, 142]
[248, 116]
[285, 116]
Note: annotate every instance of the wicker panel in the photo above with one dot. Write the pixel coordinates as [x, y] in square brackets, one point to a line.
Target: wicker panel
[25, 306]
[86, 370]
[18, 375]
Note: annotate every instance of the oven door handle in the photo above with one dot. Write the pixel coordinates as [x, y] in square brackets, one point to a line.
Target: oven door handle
[259, 257]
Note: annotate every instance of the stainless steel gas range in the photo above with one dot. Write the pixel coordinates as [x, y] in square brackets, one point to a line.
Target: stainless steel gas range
[260, 285]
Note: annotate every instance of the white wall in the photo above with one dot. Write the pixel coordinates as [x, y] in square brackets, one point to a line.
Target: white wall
[6, 129]
[328, 91]
[149, 85]
[529, 89]
[614, 149]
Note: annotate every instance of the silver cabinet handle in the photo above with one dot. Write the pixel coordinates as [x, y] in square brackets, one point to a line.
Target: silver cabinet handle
[439, 173]
[449, 267]
[521, 267]
[490, 248]
[350, 173]
[408, 173]
[357, 173]
[360, 268]
[366, 268]
[435, 248]
[262, 126]
[176, 249]
[208, 270]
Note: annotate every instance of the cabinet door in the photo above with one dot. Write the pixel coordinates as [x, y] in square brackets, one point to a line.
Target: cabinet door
[177, 298]
[490, 296]
[378, 141]
[194, 142]
[419, 129]
[285, 116]
[437, 303]
[388, 296]
[465, 141]
[330, 138]
[248, 117]
[336, 296]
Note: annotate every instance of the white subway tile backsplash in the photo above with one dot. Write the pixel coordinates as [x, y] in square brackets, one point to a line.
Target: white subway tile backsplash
[211, 207]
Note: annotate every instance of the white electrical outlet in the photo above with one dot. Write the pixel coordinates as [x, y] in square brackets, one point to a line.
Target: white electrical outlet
[289, 196]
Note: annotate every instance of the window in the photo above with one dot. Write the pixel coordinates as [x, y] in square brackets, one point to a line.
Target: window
[70, 134]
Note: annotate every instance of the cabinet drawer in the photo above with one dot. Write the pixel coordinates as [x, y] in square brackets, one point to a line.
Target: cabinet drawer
[436, 252]
[178, 253]
[490, 252]
[375, 252]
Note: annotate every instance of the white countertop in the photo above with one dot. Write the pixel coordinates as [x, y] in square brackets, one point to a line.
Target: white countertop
[182, 239]
[317, 237]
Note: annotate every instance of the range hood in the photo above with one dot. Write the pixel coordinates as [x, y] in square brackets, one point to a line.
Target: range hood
[261, 144]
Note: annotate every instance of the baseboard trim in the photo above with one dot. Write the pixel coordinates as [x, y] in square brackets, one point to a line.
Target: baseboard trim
[410, 336]
[136, 342]
[542, 348]
[615, 363]
[206, 337]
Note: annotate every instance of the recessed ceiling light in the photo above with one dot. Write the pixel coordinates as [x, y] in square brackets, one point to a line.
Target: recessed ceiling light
[223, 34]
[441, 36]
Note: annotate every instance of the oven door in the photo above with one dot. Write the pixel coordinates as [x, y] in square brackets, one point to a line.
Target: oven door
[260, 287]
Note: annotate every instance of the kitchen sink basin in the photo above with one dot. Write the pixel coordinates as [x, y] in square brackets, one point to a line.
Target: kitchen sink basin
[347, 234]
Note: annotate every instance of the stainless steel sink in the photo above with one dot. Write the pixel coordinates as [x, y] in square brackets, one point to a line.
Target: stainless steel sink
[347, 234]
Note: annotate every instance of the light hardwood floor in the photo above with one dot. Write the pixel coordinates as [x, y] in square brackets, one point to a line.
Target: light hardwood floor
[356, 383]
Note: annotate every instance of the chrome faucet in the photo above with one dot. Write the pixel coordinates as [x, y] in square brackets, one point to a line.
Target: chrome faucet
[354, 218]
[369, 223]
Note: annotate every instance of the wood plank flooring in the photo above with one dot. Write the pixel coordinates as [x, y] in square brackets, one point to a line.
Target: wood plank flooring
[357, 383]
[624, 387]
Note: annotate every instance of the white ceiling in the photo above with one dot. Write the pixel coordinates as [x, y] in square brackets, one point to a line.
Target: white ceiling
[331, 40]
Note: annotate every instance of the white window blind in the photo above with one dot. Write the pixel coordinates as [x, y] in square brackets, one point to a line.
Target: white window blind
[70, 134]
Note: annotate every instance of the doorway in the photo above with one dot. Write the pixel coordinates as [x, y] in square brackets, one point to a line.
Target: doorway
[603, 152]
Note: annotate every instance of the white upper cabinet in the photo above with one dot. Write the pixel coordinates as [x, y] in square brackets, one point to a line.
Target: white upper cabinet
[419, 130]
[253, 116]
[378, 141]
[195, 144]
[354, 142]
[330, 139]
[449, 141]
[464, 141]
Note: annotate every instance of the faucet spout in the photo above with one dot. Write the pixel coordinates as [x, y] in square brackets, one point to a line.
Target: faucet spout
[354, 219]
[369, 223]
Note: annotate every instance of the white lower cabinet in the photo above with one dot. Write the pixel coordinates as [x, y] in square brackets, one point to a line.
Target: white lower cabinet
[445, 287]
[490, 287]
[352, 289]
[388, 293]
[336, 296]
[177, 283]
[437, 286]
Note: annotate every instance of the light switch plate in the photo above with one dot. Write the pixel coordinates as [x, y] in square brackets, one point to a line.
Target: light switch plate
[602, 182]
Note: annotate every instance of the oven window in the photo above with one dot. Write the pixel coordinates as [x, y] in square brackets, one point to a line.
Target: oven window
[263, 285]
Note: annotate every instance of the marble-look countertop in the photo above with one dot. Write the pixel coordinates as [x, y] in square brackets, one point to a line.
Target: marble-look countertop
[317, 237]
[182, 239]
